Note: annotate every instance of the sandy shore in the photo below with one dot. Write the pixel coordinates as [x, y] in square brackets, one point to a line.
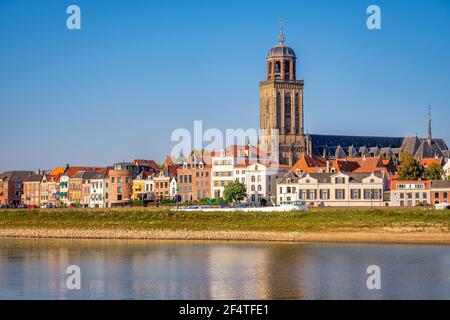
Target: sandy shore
[349, 237]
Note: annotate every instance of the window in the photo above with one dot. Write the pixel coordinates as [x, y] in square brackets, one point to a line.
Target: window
[127, 180]
[286, 66]
[288, 189]
[436, 194]
[324, 194]
[356, 194]
[287, 112]
[253, 179]
[339, 180]
[119, 189]
[402, 195]
[445, 195]
[253, 187]
[119, 179]
[112, 180]
[340, 194]
[259, 187]
[259, 179]
[277, 67]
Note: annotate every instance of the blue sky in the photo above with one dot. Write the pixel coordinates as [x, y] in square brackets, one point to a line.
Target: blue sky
[116, 89]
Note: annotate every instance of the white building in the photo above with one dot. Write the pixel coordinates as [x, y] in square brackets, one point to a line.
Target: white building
[150, 187]
[333, 189]
[447, 169]
[222, 167]
[261, 182]
[99, 190]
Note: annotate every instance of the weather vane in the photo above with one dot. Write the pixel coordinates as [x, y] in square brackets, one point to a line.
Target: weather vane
[281, 36]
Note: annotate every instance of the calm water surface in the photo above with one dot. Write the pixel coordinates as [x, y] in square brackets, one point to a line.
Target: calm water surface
[134, 269]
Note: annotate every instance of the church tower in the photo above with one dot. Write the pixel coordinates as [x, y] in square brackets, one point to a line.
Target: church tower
[281, 109]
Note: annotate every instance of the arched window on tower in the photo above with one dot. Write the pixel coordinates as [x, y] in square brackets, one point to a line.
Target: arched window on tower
[286, 69]
[287, 112]
[277, 69]
[267, 112]
[269, 71]
[297, 113]
[278, 111]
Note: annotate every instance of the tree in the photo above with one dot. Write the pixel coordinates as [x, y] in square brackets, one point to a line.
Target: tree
[409, 168]
[235, 191]
[434, 172]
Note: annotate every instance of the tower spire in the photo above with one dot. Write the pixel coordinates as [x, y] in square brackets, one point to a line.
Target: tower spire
[429, 125]
[281, 36]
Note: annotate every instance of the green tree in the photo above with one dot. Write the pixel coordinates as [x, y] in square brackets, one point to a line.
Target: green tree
[235, 191]
[409, 168]
[434, 172]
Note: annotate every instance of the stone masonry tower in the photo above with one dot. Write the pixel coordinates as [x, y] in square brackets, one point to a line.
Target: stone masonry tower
[281, 109]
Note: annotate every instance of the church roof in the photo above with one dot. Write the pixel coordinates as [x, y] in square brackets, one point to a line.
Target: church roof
[320, 141]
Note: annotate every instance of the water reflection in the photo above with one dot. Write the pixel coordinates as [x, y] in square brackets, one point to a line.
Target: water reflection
[121, 269]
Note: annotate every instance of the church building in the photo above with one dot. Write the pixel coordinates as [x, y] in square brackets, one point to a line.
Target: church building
[282, 121]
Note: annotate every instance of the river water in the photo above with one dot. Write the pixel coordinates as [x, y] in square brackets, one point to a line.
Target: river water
[135, 269]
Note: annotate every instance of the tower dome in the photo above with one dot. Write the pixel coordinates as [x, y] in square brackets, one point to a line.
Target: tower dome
[281, 51]
[281, 60]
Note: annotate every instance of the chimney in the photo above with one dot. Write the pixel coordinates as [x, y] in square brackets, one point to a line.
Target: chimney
[328, 166]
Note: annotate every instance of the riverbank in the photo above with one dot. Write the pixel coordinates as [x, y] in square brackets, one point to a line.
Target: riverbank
[318, 225]
[335, 237]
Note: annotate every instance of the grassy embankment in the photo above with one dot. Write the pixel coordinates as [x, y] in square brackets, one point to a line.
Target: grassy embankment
[316, 220]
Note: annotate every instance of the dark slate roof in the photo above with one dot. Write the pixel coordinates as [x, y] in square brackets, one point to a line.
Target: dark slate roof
[322, 177]
[352, 152]
[16, 176]
[410, 145]
[426, 150]
[340, 153]
[367, 145]
[325, 177]
[320, 141]
[78, 175]
[440, 184]
[33, 178]
[289, 175]
[280, 51]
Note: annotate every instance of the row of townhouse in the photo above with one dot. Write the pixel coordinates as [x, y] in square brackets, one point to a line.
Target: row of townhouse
[350, 181]
[82, 186]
